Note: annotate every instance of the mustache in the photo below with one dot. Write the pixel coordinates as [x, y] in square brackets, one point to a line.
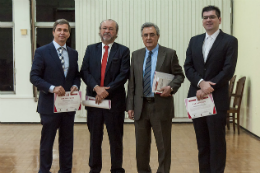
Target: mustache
[107, 34]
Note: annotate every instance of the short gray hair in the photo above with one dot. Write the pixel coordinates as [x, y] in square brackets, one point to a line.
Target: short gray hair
[61, 22]
[149, 24]
[109, 20]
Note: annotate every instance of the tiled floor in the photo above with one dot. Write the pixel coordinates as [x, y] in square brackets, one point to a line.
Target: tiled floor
[19, 150]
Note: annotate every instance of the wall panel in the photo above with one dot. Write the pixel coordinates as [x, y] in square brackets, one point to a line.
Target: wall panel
[178, 21]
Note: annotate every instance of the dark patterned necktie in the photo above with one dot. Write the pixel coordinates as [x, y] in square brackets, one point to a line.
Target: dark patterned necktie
[60, 49]
[147, 76]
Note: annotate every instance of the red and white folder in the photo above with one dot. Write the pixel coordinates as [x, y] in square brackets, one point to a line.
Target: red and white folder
[67, 103]
[200, 108]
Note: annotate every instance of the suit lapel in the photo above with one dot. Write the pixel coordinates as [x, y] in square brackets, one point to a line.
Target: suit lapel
[98, 58]
[112, 53]
[199, 48]
[215, 45]
[160, 58]
[55, 58]
[70, 60]
[140, 62]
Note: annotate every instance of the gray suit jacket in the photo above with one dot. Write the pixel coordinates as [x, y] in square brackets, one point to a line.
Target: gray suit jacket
[167, 62]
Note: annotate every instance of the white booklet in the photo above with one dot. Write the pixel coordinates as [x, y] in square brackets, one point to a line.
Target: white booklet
[67, 103]
[200, 108]
[161, 80]
[91, 102]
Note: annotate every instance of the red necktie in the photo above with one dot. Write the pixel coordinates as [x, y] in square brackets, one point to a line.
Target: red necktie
[103, 66]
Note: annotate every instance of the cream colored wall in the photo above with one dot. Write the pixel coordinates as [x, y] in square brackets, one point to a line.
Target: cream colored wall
[178, 21]
[246, 29]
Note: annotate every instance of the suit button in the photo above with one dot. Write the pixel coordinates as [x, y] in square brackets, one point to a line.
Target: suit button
[205, 69]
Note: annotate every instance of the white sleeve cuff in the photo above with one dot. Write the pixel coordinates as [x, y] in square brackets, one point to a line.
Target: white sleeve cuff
[94, 87]
[199, 82]
[51, 88]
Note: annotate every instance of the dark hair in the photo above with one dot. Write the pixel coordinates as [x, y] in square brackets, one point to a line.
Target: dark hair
[149, 24]
[109, 20]
[61, 22]
[211, 8]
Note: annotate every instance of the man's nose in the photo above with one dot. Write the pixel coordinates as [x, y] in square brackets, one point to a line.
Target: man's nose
[208, 19]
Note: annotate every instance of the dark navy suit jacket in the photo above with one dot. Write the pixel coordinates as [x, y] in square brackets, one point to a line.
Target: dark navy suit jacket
[219, 67]
[117, 73]
[47, 70]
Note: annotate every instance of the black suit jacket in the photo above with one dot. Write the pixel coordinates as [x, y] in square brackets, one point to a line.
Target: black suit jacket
[116, 75]
[219, 67]
[47, 70]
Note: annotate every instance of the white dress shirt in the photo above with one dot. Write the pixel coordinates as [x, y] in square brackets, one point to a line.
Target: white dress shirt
[103, 50]
[207, 45]
[66, 61]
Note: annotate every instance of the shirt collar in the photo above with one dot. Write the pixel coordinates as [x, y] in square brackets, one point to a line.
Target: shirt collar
[154, 50]
[57, 46]
[110, 45]
[214, 36]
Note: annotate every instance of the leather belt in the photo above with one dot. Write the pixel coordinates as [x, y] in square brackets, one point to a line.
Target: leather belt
[148, 99]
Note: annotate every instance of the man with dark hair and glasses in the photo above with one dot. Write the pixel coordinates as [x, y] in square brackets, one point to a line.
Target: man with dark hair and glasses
[55, 70]
[210, 64]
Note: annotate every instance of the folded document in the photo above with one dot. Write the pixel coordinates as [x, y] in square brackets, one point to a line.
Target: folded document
[91, 102]
[161, 80]
[200, 108]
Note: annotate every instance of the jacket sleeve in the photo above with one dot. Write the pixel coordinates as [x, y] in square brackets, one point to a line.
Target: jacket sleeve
[131, 87]
[37, 73]
[124, 72]
[77, 80]
[190, 72]
[229, 66]
[85, 70]
[177, 72]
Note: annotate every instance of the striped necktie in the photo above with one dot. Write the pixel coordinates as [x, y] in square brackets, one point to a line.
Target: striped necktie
[60, 49]
[147, 76]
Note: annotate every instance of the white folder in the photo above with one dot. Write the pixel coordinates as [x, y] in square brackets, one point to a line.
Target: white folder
[161, 80]
[91, 102]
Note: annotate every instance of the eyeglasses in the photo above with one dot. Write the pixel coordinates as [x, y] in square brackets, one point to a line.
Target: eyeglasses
[210, 17]
[151, 35]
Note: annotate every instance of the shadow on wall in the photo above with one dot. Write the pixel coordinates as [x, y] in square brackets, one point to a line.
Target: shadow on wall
[244, 109]
[247, 105]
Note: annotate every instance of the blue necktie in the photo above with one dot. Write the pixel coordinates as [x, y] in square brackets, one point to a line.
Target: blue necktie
[60, 49]
[147, 76]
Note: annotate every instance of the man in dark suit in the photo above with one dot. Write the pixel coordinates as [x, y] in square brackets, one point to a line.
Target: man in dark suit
[55, 70]
[151, 110]
[105, 69]
[210, 64]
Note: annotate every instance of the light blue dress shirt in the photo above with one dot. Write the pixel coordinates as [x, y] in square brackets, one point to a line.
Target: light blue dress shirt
[66, 60]
[65, 56]
[153, 64]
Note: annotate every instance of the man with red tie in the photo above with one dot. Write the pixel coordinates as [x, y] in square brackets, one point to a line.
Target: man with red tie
[105, 69]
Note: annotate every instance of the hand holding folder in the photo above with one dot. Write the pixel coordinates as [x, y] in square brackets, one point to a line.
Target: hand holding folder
[91, 102]
[161, 80]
